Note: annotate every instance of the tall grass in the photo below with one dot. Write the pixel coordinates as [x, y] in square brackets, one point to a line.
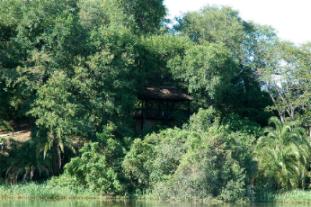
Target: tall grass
[42, 191]
[295, 196]
[46, 192]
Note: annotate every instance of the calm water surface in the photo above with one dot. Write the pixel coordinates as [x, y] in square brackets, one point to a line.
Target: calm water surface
[84, 203]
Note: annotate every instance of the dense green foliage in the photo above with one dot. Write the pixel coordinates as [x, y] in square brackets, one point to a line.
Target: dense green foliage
[221, 67]
[71, 72]
[286, 166]
[187, 163]
[92, 169]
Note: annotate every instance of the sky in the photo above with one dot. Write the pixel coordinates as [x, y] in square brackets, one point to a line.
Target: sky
[290, 18]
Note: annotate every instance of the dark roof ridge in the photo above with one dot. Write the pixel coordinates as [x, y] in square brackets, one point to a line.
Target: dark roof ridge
[164, 93]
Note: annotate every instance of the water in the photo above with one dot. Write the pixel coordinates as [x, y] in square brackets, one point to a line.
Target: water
[91, 203]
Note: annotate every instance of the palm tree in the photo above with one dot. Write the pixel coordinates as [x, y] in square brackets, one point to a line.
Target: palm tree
[283, 154]
[23, 163]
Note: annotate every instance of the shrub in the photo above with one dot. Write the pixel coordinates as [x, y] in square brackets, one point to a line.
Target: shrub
[65, 181]
[156, 157]
[137, 164]
[236, 123]
[92, 170]
[219, 165]
[203, 119]
[97, 167]
[204, 159]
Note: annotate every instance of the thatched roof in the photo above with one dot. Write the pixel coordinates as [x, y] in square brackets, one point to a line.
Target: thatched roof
[164, 93]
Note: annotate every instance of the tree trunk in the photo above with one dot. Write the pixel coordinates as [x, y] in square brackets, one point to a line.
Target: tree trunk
[56, 159]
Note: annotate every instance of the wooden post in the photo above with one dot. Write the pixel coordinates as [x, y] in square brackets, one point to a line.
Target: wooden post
[189, 110]
[142, 116]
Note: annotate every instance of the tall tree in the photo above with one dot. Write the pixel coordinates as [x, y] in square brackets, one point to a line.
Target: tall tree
[288, 80]
[206, 71]
[97, 13]
[244, 43]
[100, 90]
[213, 24]
[147, 15]
[39, 38]
[155, 53]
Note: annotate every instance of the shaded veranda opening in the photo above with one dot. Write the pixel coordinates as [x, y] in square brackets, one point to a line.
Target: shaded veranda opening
[161, 107]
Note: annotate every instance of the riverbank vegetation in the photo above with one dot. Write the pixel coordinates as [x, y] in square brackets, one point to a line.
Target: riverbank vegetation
[72, 72]
[43, 191]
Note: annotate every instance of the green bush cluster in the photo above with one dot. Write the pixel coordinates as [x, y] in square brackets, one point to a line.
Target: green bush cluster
[203, 159]
[207, 158]
[156, 157]
[210, 158]
[92, 170]
[96, 168]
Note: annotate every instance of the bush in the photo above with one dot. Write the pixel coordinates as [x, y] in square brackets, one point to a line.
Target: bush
[166, 148]
[203, 119]
[202, 160]
[219, 165]
[156, 157]
[236, 123]
[93, 171]
[137, 164]
[66, 181]
[96, 168]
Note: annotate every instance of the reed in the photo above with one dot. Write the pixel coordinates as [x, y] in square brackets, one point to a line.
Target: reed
[294, 196]
[43, 191]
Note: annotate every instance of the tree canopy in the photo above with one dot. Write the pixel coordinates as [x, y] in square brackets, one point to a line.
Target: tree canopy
[72, 72]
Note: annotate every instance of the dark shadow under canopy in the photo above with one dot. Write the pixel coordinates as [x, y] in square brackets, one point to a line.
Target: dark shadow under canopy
[161, 105]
